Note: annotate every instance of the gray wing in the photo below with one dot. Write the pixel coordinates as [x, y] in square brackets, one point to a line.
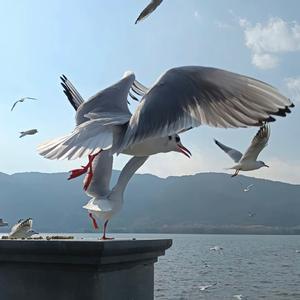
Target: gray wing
[258, 143]
[30, 98]
[19, 230]
[234, 154]
[75, 99]
[112, 100]
[192, 96]
[14, 105]
[148, 10]
[70, 91]
[102, 170]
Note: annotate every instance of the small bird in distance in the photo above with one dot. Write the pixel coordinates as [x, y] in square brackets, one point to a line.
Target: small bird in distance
[216, 248]
[28, 132]
[251, 214]
[205, 287]
[151, 7]
[22, 100]
[248, 188]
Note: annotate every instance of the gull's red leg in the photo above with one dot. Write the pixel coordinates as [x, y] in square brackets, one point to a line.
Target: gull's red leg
[104, 232]
[78, 172]
[94, 221]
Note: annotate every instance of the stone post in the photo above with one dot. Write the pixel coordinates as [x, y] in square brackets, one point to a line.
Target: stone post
[79, 270]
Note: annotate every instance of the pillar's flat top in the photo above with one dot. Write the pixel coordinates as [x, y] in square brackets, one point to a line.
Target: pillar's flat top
[82, 251]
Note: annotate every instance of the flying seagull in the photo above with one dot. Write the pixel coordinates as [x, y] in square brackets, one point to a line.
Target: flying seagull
[248, 160]
[21, 100]
[238, 297]
[251, 214]
[105, 202]
[23, 229]
[182, 98]
[28, 132]
[247, 189]
[2, 223]
[216, 248]
[151, 7]
[205, 287]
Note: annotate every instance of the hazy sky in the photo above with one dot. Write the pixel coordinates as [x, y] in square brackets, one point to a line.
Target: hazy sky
[94, 42]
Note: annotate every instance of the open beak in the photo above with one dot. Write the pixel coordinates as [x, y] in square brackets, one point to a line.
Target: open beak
[184, 150]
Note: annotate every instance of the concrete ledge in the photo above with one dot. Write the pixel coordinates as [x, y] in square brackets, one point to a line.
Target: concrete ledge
[69, 269]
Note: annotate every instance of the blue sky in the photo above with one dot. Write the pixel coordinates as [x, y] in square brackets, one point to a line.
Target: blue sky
[95, 42]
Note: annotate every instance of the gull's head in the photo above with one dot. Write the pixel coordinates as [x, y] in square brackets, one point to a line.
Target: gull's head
[174, 144]
[262, 164]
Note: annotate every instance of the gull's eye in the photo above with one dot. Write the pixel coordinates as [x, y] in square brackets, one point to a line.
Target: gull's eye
[177, 139]
[169, 138]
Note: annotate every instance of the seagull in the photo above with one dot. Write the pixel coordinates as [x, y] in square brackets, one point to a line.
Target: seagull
[205, 287]
[206, 265]
[105, 202]
[182, 98]
[216, 248]
[251, 214]
[28, 132]
[23, 229]
[247, 189]
[248, 160]
[2, 223]
[148, 10]
[21, 100]
[239, 297]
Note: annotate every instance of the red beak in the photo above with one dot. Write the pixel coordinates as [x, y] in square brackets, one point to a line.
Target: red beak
[184, 150]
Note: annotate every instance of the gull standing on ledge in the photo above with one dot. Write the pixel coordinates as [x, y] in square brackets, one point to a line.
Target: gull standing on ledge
[23, 229]
[182, 98]
[248, 161]
[20, 101]
[105, 202]
[151, 7]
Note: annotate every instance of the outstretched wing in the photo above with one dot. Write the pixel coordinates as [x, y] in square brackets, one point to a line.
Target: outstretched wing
[112, 100]
[19, 230]
[234, 154]
[258, 143]
[148, 10]
[70, 91]
[191, 96]
[14, 105]
[87, 138]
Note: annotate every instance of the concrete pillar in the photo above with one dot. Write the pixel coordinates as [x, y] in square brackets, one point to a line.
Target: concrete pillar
[79, 270]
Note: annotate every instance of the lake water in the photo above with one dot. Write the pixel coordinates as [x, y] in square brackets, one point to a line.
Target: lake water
[257, 267]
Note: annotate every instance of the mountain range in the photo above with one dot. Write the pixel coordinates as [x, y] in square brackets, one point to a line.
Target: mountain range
[201, 203]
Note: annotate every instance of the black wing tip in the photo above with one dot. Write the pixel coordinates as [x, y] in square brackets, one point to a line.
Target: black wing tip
[217, 142]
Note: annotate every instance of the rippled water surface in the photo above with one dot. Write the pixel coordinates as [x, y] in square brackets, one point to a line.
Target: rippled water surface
[257, 267]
